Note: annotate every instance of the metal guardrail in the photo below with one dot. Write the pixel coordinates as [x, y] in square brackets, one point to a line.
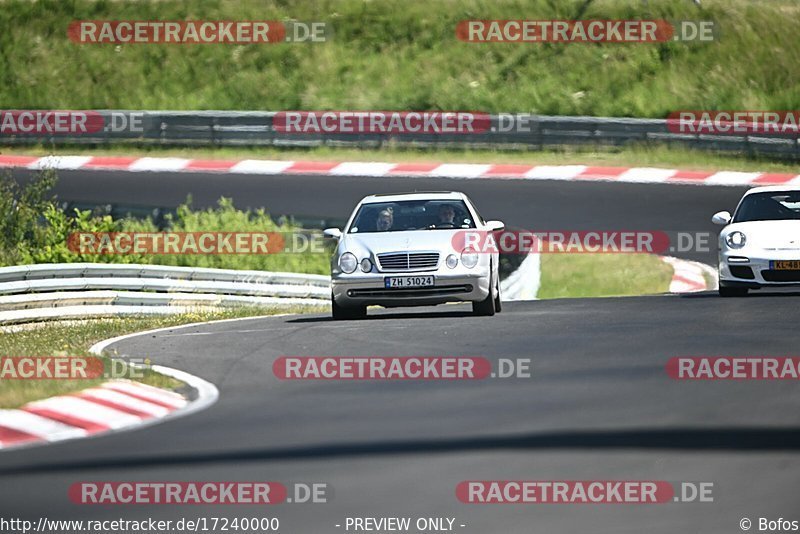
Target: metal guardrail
[255, 128]
[135, 270]
[75, 290]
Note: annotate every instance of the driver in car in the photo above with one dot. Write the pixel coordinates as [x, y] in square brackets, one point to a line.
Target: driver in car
[384, 221]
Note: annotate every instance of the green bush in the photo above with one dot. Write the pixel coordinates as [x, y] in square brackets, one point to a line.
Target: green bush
[226, 218]
[33, 229]
[52, 246]
[21, 207]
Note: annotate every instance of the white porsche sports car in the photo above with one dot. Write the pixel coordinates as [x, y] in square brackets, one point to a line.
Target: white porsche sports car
[760, 244]
[403, 250]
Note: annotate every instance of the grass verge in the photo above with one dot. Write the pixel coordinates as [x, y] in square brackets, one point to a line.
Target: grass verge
[74, 339]
[630, 156]
[602, 275]
[404, 55]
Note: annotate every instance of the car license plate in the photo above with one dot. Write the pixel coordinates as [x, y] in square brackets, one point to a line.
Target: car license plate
[785, 265]
[401, 282]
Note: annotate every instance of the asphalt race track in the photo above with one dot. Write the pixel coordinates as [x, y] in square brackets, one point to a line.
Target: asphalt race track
[529, 204]
[599, 404]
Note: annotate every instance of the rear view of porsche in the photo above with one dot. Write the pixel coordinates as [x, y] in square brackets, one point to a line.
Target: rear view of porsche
[399, 266]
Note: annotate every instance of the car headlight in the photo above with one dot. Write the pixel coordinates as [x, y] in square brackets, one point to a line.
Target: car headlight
[348, 263]
[451, 261]
[469, 258]
[736, 239]
[366, 265]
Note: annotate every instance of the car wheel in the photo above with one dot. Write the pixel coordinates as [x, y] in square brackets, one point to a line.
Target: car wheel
[732, 291]
[347, 312]
[484, 307]
[498, 305]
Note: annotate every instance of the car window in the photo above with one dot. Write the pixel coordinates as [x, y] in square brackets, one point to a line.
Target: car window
[770, 206]
[412, 215]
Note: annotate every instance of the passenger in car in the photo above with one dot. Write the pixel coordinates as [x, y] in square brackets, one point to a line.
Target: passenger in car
[447, 214]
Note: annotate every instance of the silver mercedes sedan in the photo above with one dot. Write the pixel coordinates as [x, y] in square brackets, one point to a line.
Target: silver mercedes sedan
[414, 249]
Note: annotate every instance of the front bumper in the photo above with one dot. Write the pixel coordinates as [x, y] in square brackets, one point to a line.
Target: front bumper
[359, 289]
[756, 272]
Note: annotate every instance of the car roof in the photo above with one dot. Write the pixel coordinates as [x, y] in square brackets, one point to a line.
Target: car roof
[417, 195]
[772, 189]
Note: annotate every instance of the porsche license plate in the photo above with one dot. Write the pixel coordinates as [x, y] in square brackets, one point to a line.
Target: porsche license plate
[402, 282]
[785, 265]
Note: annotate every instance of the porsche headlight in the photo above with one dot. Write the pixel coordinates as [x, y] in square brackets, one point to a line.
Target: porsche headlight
[348, 263]
[469, 258]
[736, 239]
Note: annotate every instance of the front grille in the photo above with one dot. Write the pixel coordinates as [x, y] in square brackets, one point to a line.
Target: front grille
[771, 275]
[741, 271]
[408, 261]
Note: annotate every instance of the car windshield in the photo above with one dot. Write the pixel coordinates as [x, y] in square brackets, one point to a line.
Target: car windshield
[412, 215]
[770, 206]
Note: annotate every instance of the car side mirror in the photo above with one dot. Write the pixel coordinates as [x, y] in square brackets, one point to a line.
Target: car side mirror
[721, 217]
[333, 233]
[495, 226]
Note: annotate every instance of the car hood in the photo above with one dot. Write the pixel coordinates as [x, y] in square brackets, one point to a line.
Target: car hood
[769, 234]
[380, 242]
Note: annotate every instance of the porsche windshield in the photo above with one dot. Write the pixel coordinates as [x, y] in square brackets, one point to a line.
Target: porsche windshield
[412, 215]
[770, 206]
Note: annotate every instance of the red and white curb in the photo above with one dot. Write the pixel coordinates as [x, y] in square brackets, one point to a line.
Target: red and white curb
[380, 169]
[690, 276]
[114, 405]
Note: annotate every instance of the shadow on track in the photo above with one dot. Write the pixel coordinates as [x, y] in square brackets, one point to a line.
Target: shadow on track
[694, 439]
[382, 315]
[754, 293]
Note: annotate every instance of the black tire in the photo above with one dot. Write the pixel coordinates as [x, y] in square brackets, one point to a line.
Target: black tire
[484, 308]
[341, 313]
[498, 304]
[732, 291]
